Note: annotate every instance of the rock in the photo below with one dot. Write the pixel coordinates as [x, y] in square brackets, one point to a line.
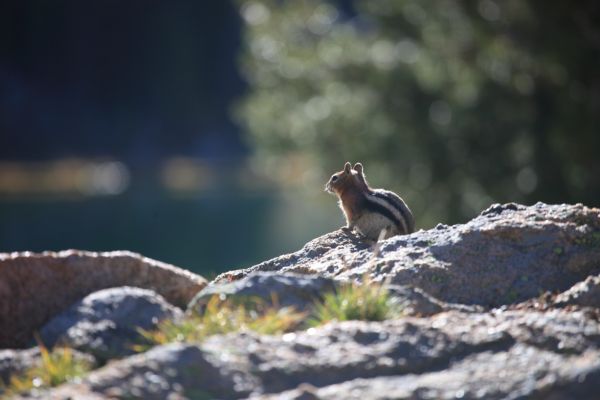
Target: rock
[39, 286]
[414, 301]
[475, 325]
[106, 323]
[16, 361]
[333, 248]
[507, 254]
[302, 291]
[341, 352]
[177, 371]
[475, 377]
[291, 290]
[586, 294]
[508, 354]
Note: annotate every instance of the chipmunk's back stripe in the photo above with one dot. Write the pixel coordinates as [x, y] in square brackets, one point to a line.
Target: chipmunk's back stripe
[390, 211]
[376, 207]
[397, 203]
[397, 207]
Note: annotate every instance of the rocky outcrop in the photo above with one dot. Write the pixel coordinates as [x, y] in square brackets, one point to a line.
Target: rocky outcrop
[171, 371]
[497, 355]
[302, 291]
[586, 293]
[106, 323]
[36, 287]
[504, 306]
[507, 254]
[270, 289]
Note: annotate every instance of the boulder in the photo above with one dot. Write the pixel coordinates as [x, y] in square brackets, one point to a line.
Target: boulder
[36, 286]
[508, 254]
[586, 293]
[531, 354]
[106, 323]
[504, 306]
[414, 301]
[302, 291]
[174, 371]
[475, 377]
[291, 290]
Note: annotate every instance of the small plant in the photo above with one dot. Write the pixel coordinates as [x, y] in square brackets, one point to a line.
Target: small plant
[222, 317]
[368, 301]
[55, 367]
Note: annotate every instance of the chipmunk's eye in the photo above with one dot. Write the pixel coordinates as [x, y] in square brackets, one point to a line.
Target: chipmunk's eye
[334, 178]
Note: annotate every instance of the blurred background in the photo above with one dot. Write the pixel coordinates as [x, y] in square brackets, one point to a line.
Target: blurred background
[202, 133]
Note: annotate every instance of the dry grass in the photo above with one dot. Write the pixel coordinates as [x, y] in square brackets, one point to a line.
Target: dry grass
[221, 317]
[56, 367]
[368, 301]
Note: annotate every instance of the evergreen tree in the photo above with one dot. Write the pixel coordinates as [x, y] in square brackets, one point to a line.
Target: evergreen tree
[453, 104]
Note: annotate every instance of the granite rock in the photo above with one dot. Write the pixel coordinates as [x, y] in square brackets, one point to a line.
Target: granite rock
[173, 371]
[586, 293]
[508, 254]
[106, 323]
[291, 290]
[476, 324]
[477, 355]
[301, 292]
[34, 287]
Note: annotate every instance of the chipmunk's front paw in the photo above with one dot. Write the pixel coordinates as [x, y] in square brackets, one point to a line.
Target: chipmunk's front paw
[347, 229]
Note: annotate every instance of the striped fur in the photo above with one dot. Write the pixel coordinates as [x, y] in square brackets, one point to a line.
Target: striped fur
[394, 203]
[376, 206]
[369, 211]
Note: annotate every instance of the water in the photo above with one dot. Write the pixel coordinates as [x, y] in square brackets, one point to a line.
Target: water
[207, 234]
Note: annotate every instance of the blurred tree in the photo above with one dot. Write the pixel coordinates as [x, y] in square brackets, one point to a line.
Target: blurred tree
[453, 104]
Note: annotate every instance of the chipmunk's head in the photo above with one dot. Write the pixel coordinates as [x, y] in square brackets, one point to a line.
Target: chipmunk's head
[346, 178]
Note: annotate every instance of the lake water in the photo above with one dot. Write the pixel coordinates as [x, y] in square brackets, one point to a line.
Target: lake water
[207, 233]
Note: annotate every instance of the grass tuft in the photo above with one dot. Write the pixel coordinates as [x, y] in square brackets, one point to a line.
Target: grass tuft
[221, 317]
[368, 302]
[56, 367]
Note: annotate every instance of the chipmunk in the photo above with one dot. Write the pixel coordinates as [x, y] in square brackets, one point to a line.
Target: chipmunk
[369, 211]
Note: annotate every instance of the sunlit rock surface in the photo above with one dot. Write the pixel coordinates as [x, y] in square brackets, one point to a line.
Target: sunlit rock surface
[507, 254]
[504, 306]
[34, 287]
[106, 323]
[498, 354]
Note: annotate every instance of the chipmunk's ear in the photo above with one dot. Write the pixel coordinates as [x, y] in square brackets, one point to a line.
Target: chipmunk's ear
[347, 167]
[358, 168]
